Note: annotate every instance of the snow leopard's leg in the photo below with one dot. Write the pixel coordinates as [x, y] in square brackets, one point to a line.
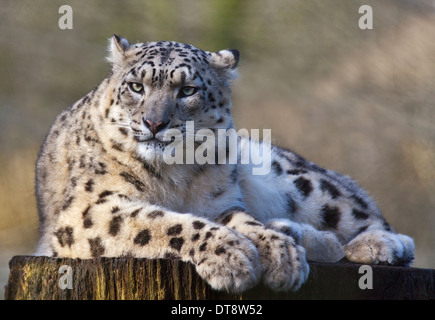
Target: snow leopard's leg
[375, 246]
[115, 226]
[333, 209]
[320, 246]
[283, 262]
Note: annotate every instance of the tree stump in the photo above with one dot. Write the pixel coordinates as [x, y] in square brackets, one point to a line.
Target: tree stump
[131, 279]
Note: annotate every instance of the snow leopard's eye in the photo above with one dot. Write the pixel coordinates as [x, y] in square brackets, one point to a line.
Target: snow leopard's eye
[187, 92]
[136, 87]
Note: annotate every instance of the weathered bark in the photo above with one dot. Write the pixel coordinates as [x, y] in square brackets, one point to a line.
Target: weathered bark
[128, 278]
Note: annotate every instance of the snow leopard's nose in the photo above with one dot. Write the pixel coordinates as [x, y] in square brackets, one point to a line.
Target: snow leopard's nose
[155, 127]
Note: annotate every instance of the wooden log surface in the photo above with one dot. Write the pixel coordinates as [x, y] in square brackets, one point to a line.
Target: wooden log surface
[131, 279]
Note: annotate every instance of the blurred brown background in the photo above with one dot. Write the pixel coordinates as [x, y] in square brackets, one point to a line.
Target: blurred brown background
[357, 101]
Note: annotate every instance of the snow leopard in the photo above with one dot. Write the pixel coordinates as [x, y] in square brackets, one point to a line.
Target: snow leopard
[104, 188]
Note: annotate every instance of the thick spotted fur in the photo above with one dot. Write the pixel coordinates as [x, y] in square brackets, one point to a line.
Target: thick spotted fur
[103, 188]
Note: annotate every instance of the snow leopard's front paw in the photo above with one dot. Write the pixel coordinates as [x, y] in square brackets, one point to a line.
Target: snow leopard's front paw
[228, 261]
[284, 264]
[380, 247]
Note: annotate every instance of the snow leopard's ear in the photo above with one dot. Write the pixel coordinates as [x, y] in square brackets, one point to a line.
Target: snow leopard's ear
[226, 62]
[117, 50]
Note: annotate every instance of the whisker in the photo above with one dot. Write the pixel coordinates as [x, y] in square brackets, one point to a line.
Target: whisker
[120, 122]
[125, 125]
[213, 128]
[118, 125]
[201, 128]
[139, 134]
